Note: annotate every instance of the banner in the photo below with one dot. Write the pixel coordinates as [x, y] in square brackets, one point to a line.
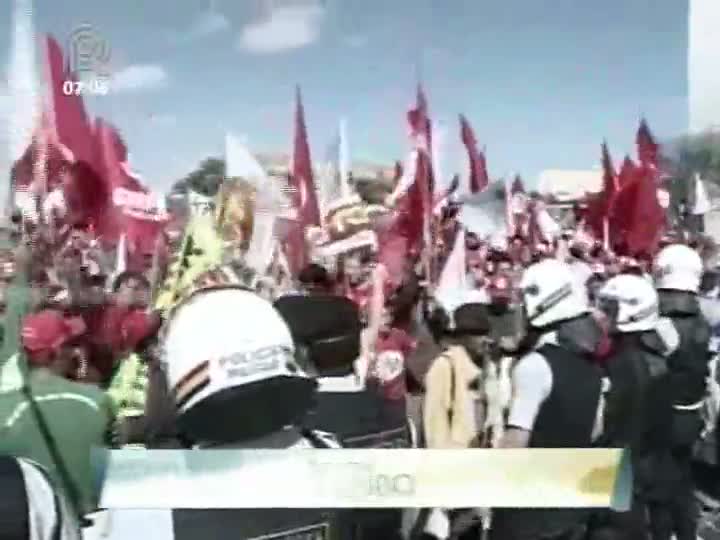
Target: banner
[235, 212]
[139, 204]
[201, 250]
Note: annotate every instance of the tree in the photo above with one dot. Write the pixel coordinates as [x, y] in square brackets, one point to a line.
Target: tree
[206, 179]
[699, 153]
[687, 155]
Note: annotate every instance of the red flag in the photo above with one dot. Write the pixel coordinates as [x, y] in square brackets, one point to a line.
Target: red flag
[646, 146]
[599, 204]
[88, 197]
[627, 172]
[304, 195]
[68, 116]
[421, 129]
[405, 237]
[425, 124]
[421, 199]
[610, 178]
[414, 206]
[56, 161]
[128, 206]
[622, 204]
[639, 218]
[478, 166]
[517, 185]
[402, 239]
[419, 119]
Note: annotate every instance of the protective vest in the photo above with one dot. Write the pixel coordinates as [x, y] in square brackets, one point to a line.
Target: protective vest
[689, 363]
[267, 524]
[362, 419]
[565, 420]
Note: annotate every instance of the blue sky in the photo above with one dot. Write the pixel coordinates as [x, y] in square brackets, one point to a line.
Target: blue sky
[542, 82]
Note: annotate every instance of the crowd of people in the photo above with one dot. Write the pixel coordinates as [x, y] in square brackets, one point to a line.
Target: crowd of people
[318, 311]
[560, 344]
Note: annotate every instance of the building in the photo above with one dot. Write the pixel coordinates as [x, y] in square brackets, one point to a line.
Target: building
[703, 75]
[567, 186]
[278, 165]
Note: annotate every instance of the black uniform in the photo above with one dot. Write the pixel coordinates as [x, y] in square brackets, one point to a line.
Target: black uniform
[362, 419]
[565, 420]
[675, 509]
[638, 415]
[266, 524]
[327, 329]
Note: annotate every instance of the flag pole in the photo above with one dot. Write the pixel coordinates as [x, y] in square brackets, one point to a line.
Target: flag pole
[606, 233]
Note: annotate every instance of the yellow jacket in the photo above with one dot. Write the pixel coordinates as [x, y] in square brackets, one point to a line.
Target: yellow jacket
[450, 412]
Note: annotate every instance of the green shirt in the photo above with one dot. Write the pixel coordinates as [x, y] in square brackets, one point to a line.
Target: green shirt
[79, 417]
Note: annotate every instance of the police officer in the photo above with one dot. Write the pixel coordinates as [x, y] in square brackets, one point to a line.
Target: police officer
[556, 392]
[638, 409]
[234, 404]
[327, 331]
[678, 272]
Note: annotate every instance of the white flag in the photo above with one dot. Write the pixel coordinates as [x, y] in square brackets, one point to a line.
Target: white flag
[702, 201]
[485, 213]
[269, 201]
[23, 81]
[334, 181]
[549, 228]
[241, 163]
[24, 97]
[452, 287]
[121, 253]
[408, 177]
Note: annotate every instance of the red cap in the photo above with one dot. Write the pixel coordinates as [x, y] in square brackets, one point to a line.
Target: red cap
[47, 331]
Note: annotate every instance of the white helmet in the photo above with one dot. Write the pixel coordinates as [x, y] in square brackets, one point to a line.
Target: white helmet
[551, 293]
[229, 355]
[678, 268]
[637, 302]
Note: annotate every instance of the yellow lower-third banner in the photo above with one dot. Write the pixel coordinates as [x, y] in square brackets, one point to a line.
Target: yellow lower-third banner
[349, 478]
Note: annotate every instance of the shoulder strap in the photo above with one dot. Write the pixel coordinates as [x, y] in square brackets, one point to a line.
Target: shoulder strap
[451, 409]
[68, 483]
[545, 349]
[319, 439]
